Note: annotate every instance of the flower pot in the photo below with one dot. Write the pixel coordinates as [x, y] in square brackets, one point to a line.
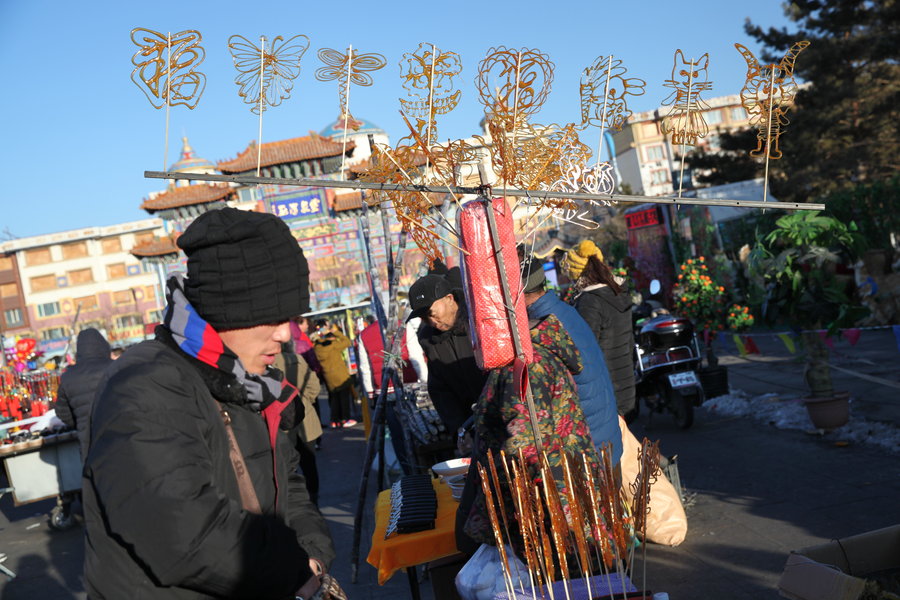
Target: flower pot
[829, 412]
[714, 381]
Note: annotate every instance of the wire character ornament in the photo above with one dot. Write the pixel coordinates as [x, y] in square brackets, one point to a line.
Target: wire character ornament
[603, 92]
[685, 122]
[767, 95]
[169, 80]
[428, 77]
[266, 75]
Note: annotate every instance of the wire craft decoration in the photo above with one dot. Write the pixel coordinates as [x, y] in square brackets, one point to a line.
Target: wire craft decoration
[348, 67]
[427, 75]
[685, 122]
[266, 75]
[172, 79]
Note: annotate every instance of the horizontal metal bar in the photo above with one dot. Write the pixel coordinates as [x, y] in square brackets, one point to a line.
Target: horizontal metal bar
[455, 189]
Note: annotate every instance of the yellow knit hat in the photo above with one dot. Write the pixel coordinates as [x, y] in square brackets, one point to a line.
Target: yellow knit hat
[577, 257]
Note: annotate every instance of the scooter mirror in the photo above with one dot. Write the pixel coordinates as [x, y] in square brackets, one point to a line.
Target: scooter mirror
[655, 287]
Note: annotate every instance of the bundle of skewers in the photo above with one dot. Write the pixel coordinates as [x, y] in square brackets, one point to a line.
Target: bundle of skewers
[570, 526]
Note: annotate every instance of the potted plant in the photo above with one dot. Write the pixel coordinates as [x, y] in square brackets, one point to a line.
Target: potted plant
[797, 262]
[702, 300]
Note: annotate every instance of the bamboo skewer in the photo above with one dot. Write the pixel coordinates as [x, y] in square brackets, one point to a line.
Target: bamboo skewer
[495, 526]
[502, 506]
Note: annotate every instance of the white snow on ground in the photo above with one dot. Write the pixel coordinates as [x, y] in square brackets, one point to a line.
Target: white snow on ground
[790, 413]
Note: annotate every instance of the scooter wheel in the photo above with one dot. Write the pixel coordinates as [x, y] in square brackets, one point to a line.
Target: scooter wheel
[60, 519]
[683, 408]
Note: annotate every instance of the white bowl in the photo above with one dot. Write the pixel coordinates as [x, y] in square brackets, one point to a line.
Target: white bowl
[454, 466]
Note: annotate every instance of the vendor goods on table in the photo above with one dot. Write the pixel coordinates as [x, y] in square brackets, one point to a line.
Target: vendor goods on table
[413, 505]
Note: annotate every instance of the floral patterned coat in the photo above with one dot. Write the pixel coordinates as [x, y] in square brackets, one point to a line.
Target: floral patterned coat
[502, 421]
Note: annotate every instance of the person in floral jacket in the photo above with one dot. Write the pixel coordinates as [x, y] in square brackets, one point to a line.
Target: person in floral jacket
[502, 423]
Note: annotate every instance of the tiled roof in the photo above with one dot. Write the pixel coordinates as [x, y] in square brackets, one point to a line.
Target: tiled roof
[351, 201]
[155, 247]
[187, 195]
[283, 151]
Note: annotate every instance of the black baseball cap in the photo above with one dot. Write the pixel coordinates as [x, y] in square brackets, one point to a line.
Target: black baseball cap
[533, 278]
[425, 291]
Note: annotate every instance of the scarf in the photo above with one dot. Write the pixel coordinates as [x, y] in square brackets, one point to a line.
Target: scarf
[197, 338]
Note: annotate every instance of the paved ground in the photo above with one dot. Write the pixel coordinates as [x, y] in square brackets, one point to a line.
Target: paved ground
[755, 494]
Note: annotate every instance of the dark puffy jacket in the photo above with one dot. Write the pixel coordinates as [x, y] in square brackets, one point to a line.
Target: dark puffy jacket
[454, 379]
[162, 506]
[595, 390]
[609, 316]
[79, 383]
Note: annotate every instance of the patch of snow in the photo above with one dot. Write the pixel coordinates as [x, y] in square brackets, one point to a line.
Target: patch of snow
[790, 413]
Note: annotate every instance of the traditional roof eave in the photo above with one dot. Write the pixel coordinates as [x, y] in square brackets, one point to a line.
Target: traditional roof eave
[284, 151]
[187, 195]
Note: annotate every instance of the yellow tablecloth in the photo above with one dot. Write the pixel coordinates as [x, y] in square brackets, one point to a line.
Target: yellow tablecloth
[409, 549]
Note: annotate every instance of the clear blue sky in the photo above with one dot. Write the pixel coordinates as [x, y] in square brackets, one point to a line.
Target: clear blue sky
[78, 134]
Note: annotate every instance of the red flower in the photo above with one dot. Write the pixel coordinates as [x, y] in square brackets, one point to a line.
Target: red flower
[565, 426]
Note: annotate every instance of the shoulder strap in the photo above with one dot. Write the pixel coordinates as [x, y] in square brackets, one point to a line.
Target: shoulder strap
[249, 500]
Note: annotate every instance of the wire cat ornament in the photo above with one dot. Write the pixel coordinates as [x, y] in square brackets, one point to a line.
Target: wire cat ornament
[266, 74]
[767, 95]
[164, 66]
[685, 122]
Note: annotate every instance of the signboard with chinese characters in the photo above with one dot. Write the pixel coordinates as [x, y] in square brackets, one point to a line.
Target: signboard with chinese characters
[643, 218]
[309, 202]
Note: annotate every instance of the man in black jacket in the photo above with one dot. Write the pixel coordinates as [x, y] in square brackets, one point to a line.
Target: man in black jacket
[190, 485]
[454, 379]
[78, 385]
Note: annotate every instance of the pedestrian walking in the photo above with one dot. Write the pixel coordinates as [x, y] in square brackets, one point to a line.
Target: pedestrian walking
[329, 344]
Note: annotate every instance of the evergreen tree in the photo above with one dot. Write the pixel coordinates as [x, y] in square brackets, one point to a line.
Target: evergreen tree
[729, 163]
[844, 126]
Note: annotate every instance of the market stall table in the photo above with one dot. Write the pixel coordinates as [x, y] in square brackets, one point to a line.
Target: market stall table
[406, 551]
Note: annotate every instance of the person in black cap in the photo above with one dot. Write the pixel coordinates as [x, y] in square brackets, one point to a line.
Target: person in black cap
[454, 379]
[182, 497]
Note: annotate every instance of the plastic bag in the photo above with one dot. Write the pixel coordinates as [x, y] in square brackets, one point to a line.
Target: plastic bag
[481, 578]
[492, 338]
[666, 521]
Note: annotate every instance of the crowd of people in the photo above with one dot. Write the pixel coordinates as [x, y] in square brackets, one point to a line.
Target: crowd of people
[199, 446]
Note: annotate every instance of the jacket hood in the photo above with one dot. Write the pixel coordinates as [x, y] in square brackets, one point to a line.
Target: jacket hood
[621, 302]
[91, 345]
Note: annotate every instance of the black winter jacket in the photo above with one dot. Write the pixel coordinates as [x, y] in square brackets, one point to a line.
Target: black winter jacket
[162, 505]
[454, 379]
[79, 383]
[609, 316]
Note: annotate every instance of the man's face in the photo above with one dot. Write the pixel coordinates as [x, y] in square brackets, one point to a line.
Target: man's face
[257, 346]
[443, 313]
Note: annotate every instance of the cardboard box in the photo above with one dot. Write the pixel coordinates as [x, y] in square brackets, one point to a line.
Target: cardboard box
[837, 570]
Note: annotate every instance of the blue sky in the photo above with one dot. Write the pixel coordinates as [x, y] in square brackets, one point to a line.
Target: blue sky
[78, 134]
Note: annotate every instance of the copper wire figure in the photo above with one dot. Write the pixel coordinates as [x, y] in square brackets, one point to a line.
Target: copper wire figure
[348, 67]
[603, 91]
[767, 96]
[164, 67]
[266, 74]
[428, 76]
[685, 122]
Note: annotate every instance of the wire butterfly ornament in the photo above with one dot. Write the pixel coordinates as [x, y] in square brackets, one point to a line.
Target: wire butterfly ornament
[266, 74]
[169, 80]
[164, 67]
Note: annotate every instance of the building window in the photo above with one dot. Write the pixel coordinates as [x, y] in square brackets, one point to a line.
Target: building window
[128, 321]
[659, 176]
[54, 333]
[156, 316]
[147, 266]
[38, 256]
[74, 250]
[361, 278]
[13, 317]
[115, 271]
[87, 302]
[81, 276]
[43, 283]
[48, 310]
[713, 117]
[9, 290]
[122, 297]
[6, 263]
[329, 283]
[111, 245]
[738, 113]
[654, 152]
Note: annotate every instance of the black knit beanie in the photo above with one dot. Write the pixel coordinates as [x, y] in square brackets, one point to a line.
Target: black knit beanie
[244, 269]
